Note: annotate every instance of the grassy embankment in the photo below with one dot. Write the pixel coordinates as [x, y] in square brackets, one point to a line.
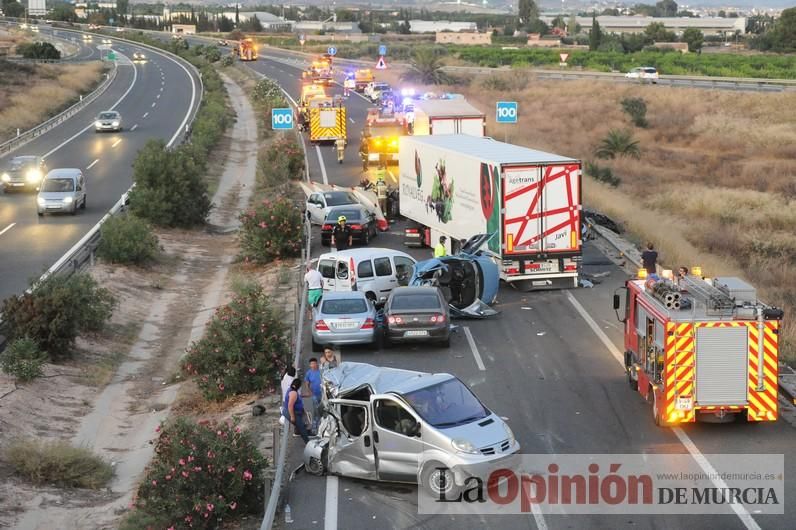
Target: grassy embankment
[715, 184]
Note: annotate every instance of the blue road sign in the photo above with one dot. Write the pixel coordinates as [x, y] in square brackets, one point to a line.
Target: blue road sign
[382, 49]
[506, 112]
[331, 50]
[281, 119]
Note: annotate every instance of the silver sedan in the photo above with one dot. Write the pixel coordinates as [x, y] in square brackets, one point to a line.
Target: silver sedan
[343, 317]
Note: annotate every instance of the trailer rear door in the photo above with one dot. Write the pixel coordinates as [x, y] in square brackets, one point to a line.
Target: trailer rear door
[542, 209]
[722, 364]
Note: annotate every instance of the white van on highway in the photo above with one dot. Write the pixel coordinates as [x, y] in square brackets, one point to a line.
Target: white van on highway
[373, 271]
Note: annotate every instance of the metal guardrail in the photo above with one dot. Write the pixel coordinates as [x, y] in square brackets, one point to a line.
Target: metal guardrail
[9, 145]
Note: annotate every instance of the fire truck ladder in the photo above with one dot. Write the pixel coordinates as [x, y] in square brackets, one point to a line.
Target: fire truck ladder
[717, 302]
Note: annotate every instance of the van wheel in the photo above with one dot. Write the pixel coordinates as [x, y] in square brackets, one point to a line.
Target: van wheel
[438, 481]
[74, 209]
[83, 205]
[315, 467]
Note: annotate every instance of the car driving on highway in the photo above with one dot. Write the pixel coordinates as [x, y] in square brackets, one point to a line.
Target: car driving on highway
[106, 41]
[23, 173]
[359, 220]
[643, 73]
[110, 120]
[417, 314]
[139, 57]
[343, 318]
[62, 190]
[87, 38]
[320, 204]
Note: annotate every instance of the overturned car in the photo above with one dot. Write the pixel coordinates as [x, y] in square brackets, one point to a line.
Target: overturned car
[469, 280]
[395, 425]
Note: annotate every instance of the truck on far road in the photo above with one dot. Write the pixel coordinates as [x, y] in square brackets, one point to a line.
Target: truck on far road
[459, 186]
[362, 78]
[247, 50]
[447, 116]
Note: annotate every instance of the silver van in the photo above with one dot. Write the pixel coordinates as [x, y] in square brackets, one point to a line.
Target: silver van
[62, 190]
[395, 425]
[373, 271]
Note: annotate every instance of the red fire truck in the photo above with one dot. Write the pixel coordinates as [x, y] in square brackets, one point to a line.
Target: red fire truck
[701, 349]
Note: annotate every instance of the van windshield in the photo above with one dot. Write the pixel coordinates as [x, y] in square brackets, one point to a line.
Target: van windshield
[447, 404]
[59, 185]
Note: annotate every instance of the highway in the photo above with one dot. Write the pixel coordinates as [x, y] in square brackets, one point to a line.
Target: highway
[155, 100]
[552, 364]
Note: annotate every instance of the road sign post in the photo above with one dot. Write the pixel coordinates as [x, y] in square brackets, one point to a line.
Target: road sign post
[506, 112]
[331, 50]
[282, 119]
[563, 57]
[302, 40]
[380, 64]
[382, 49]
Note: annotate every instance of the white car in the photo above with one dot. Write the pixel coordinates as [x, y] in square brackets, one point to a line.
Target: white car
[106, 41]
[34, 29]
[643, 73]
[139, 57]
[87, 38]
[320, 204]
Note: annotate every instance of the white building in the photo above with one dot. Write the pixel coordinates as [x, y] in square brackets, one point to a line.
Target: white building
[269, 21]
[307, 26]
[632, 24]
[436, 26]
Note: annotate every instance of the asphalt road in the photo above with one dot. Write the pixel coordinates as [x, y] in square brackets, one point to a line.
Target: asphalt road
[154, 99]
[547, 370]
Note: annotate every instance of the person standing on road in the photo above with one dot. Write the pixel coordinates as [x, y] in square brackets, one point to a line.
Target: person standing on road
[314, 287]
[313, 379]
[649, 259]
[363, 153]
[381, 191]
[339, 144]
[439, 250]
[287, 378]
[341, 235]
[294, 409]
[329, 359]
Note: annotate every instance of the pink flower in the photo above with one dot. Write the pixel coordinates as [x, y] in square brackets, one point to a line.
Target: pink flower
[221, 387]
[247, 475]
[237, 429]
[182, 461]
[197, 468]
[184, 474]
[171, 528]
[157, 429]
[211, 454]
[231, 469]
[191, 458]
[168, 477]
[252, 370]
[233, 505]
[154, 482]
[210, 507]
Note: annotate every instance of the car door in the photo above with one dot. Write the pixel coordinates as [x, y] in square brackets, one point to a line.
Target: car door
[327, 268]
[351, 451]
[396, 439]
[385, 279]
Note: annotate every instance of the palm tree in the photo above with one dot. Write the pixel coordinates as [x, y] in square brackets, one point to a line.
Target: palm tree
[618, 143]
[426, 68]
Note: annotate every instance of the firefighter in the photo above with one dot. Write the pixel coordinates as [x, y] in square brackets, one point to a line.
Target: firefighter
[363, 153]
[381, 190]
[339, 144]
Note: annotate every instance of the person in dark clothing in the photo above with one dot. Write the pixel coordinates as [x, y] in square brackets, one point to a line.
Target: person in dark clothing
[341, 235]
[649, 259]
[293, 409]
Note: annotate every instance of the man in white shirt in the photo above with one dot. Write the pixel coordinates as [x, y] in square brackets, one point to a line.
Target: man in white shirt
[314, 287]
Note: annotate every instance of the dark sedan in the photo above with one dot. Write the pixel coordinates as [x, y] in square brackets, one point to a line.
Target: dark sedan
[23, 173]
[361, 222]
[414, 314]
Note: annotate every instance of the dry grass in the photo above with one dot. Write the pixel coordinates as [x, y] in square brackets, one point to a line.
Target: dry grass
[716, 182]
[58, 462]
[31, 94]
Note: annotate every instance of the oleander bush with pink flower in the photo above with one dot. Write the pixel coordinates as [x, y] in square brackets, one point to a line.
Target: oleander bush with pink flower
[244, 348]
[203, 475]
[281, 161]
[272, 229]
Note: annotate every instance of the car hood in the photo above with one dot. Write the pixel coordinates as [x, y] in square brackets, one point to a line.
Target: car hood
[482, 433]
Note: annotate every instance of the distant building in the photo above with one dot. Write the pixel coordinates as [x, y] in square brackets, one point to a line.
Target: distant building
[183, 29]
[632, 24]
[82, 9]
[37, 7]
[309, 26]
[445, 37]
[269, 21]
[438, 26]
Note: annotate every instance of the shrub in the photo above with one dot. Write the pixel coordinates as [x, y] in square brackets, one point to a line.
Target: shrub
[38, 50]
[212, 54]
[266, 91]
[58, 462]
[602, 174]
[202, 475]
[636, 108]
[53, 312]
[228, 60]
[170, 189]
[618, 143]
[242, 350]
[281, 161]
[23, 360]
[127, 239]
[270, 230]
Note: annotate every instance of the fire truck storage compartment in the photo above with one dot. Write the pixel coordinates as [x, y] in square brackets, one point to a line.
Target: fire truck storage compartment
[328, 118]
[722, 365]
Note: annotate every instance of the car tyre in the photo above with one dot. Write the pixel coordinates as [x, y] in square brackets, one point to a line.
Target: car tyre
[74, 209]
[83, 204]
[431, 481]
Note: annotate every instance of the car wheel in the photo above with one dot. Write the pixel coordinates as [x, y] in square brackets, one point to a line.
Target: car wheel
[83, 205]
[74, 209]
[315, 467]
[437, 481]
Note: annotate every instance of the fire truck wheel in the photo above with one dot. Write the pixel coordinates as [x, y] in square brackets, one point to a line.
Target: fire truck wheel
[656, 413]
[630, 381]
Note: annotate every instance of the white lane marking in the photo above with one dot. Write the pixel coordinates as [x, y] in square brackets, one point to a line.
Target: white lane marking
[742, 513]
[158, 96]
[474, 349]
[332, 499]
[134, 127]
[190, 107]
[323, 166]
[92, 164]
[597, 331]
[541, 524]
[117, 142]
[390, 173]
[87, 127]
[145, 115]
[154, 103]
[351, 120]
[6, 229]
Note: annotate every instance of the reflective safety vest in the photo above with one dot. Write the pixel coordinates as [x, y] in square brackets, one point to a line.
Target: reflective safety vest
[381, 189]
[439, 250]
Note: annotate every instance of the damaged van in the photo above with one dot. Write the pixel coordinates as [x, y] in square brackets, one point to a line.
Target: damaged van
[388, 424]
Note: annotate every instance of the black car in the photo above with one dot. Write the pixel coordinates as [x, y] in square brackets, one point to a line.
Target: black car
[23, 173]
[417, 314]
[361, 222]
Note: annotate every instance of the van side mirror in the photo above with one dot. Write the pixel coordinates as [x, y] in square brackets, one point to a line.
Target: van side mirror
[617, 302]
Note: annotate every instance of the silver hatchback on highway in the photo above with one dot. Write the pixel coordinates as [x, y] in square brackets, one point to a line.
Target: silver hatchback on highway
[110, 120]
[344, 317]
[62, 190]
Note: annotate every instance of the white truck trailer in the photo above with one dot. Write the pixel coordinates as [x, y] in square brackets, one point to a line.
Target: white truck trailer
[459, 186]
[447, 116]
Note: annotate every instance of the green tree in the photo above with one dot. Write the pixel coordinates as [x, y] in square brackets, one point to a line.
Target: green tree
[253, 24]
[63, 12]
[636, 108]
[13, 9]
[657, 32]
[667, 8]
[694, 38]
[38, 50]
[573, 28]
[426, 67]
[595, 36]
[122, 6]
[618, 144]
[527, 11]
